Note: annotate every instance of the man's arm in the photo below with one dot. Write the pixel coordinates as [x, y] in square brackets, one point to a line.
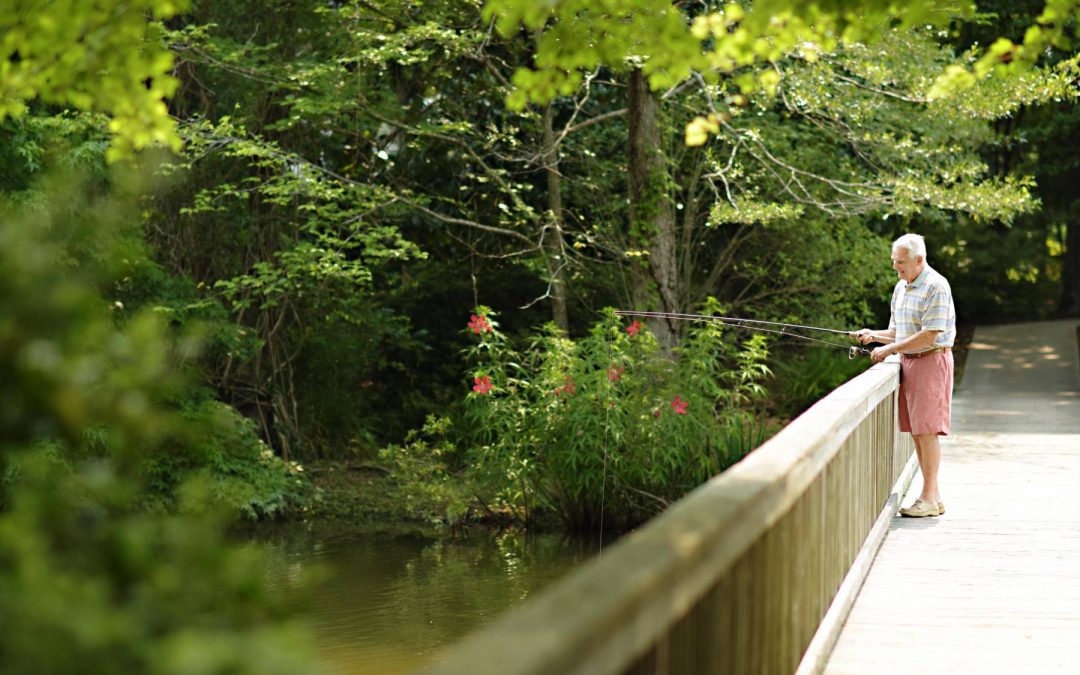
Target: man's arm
[866, 335]
[917, 342]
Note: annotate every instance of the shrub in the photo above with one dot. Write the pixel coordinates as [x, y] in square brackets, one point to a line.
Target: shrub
[419, 468]
[242, 473]
[91, 583]
[608, 428]
[89, 580]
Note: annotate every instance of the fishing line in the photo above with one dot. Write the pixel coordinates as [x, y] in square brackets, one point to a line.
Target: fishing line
[729, 319]
[734, 322]
[613, 330]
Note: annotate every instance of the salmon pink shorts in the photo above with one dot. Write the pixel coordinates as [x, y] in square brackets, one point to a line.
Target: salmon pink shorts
[926, 385]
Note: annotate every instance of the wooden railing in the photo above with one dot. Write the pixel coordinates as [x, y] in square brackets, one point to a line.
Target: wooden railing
[734, 578]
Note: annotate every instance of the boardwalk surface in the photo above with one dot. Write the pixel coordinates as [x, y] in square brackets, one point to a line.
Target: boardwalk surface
[993, 586]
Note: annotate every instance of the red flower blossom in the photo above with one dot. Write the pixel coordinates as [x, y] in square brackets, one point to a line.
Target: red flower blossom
[482, 385]
[679, 406]
[634, 328]
[656, 412]
[479, 324]
[570, 388]
[614, 373]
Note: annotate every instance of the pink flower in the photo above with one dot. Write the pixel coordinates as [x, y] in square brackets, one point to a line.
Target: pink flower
[679, 406]
[634, 328]
[570, 388]
[479, 324]
[482, 384]
[614, 373]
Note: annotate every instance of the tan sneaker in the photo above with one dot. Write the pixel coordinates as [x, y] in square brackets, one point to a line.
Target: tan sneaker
[921, 509]
[941, 508]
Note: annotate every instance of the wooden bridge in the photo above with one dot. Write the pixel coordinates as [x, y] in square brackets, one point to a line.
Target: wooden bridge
[760, 569]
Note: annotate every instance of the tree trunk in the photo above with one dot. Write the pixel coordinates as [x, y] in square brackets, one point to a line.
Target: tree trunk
[652, 217]
[554, 256]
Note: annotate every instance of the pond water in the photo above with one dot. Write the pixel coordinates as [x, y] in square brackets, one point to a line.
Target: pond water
[387, 604]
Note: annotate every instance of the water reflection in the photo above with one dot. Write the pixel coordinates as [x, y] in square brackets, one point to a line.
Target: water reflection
[386, 604]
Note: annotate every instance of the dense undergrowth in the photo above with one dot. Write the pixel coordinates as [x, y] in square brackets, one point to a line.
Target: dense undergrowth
[606, 428]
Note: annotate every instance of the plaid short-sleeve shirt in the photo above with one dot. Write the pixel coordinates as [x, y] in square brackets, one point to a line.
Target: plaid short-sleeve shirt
[924, 304]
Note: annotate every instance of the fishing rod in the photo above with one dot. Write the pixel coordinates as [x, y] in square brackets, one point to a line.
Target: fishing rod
[756, 325]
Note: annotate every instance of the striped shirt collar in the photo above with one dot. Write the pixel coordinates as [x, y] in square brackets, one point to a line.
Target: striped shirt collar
[919, 280]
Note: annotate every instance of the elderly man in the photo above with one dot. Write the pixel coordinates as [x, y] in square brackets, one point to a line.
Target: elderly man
[921, 330]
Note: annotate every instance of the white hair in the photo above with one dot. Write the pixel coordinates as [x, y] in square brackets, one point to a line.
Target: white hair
[914, 244]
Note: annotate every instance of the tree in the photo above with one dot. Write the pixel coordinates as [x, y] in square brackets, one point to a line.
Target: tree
[1037, 257]
[870, 139]
[723, 38]
[274, 216]
[102, 55]
[652, 214]
[88, 578]
[366, 140]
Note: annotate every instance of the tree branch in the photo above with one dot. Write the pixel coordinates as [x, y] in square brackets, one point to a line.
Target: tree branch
[595, 120]
[467, 223]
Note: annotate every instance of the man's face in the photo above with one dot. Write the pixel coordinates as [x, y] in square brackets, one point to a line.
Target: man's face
[907, 266]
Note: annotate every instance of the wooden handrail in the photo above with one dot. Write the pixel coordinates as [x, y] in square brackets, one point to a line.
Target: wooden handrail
[736, 576]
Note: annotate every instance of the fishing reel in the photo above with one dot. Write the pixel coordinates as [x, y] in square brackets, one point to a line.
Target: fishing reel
[857, 351]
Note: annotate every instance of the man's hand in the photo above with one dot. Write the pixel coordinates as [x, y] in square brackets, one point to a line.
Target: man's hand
[879, 354]
[865, 336]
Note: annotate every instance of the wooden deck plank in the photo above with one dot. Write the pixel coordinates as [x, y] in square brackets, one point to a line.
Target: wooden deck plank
[993, 586]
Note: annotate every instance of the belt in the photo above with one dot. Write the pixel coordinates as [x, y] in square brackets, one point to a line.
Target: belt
[935, 350]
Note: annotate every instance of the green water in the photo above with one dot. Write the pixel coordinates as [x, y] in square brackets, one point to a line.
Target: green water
[387, 604]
